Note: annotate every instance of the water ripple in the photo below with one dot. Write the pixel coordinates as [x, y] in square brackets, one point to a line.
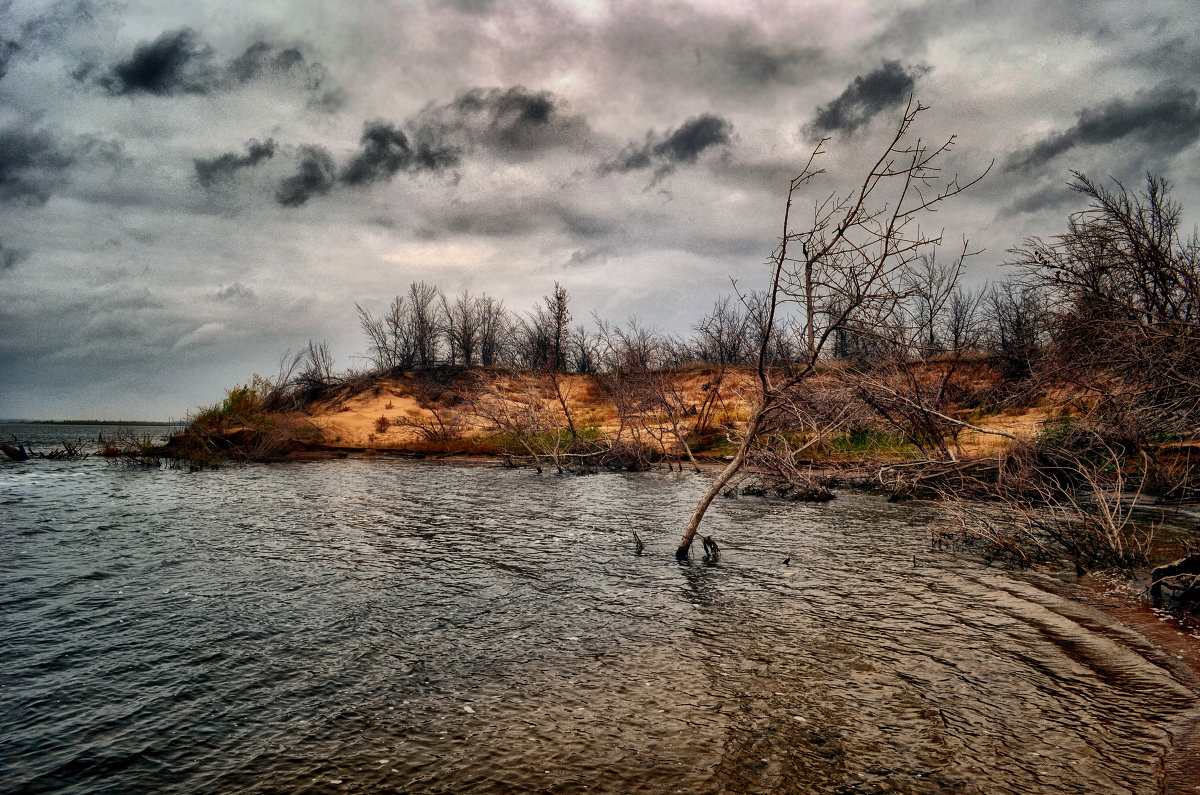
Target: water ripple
[367, 625]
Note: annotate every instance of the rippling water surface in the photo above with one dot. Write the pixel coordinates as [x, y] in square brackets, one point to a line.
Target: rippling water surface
[365, 625]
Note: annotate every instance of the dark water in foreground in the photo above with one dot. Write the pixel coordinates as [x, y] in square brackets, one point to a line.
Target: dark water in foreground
[366, 625]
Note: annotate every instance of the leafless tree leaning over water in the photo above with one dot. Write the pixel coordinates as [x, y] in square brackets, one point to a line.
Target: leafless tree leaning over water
[857, 258]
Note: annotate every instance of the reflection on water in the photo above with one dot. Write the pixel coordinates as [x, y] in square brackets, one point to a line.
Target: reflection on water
[385, 625]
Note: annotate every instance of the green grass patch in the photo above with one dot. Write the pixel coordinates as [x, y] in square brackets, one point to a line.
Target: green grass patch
[868, 441]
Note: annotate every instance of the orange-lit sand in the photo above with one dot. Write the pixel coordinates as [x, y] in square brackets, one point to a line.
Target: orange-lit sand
[412, 402]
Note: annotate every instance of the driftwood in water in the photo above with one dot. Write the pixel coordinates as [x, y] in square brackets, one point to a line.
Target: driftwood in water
[21, 453]
[711, 551]
[18, 453]
[68, 450]
[1182, 575]
[638, 546]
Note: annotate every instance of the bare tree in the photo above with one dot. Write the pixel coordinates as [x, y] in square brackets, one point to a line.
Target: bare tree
[1124, 287]
[931, 286]
[1018, 322]
[463, 320]
[672, 405]
[915, 377]
[558, 328]
[495, 328]
[584, 355]
[390, 336]
[314, 377]
[647, 398]
[423, 302]
[857, 256]
[556, 325]
[724, 334]
[960, 327]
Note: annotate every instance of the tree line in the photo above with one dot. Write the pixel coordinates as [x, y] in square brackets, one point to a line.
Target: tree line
[423, 329]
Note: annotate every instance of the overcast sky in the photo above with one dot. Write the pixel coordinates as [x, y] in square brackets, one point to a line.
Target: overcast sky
[189, 189]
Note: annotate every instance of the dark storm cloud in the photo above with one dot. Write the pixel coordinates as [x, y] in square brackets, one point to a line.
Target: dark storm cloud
[513, 122]
[30, 163]
[180, 62]
[1166, 116]
[385, 151]
[314, 176]
[212, 171]
[866, 97]
[177, 62]
[681, 146]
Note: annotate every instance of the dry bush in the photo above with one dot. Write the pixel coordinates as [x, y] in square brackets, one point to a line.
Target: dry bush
[1045, 503]
[436, 393]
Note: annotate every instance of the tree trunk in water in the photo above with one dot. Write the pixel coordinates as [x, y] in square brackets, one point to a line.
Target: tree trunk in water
[685, 543]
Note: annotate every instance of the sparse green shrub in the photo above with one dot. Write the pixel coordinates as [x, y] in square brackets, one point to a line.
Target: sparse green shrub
[863, 441]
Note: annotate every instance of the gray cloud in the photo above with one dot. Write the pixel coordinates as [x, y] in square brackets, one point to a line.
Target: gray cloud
[180, 62]
[1174, 56]
[60, 16]
[385, 151]
[1054, 196]
[31, 162]
[514, 217]
[8, 48]
[677, 147]
[1167, 116]
[177, 62]
[212, 171]
[314, 176]
[262, 58]
[234, 292]
[866, 97]
[30, 37]
[11, 257]
[513, 123]
[564, 87]
[590, 256]
[757, 64]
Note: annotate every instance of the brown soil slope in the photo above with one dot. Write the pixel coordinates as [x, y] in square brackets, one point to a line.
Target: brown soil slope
[468, 412]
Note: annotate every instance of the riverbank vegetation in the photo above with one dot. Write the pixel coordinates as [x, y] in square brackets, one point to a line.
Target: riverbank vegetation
[1055, 397]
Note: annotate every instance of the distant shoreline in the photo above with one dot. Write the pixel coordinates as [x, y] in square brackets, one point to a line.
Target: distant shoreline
[90, 422]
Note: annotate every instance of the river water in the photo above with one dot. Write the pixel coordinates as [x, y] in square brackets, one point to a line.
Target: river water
[385, 625]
